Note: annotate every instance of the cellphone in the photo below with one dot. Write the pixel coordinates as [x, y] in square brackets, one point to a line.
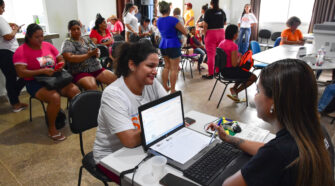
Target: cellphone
[172, 180]
[189, 121]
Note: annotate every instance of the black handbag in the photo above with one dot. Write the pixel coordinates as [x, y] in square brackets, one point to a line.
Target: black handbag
[58, 80]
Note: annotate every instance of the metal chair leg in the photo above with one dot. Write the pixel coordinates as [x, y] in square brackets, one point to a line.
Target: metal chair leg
[79, 178]
[30, 109]
[222, 94]
[213, 89]
[246, 96]
[190, 61]
[332, 121]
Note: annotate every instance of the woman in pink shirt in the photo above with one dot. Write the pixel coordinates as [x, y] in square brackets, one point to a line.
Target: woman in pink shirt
[232, 69]
[118, 26]
[36, 57]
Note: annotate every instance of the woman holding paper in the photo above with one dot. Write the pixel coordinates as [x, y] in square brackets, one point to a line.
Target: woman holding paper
[298, 155]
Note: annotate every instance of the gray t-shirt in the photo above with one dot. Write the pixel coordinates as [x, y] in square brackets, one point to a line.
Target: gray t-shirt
[119, 112]
[91, 64]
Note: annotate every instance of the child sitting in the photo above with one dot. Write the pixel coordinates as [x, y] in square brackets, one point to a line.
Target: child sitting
[198, 48]
[232, 69]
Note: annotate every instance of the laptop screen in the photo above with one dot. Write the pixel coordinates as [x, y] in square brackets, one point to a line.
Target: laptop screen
[161, 117]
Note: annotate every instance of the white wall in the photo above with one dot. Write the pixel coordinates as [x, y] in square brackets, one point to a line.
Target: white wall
[223, 4]
[236, 8]
[58, 14]
[88, 9]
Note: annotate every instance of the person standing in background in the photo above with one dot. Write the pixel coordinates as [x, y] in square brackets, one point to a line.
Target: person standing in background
[189, 15]
[245, 23]
[215, 19]
[170, 45]
[8, 45]
[130, 21]
[200, 21]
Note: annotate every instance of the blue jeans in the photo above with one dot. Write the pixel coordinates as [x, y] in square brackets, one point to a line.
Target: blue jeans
[243, 46]
[202, 54]
[326, 97]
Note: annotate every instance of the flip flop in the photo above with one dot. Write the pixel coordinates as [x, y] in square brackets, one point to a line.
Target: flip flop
[58, 137]
[234, 98]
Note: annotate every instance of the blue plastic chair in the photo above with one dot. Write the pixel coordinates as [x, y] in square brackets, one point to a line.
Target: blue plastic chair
[255, 47]
[277, 42]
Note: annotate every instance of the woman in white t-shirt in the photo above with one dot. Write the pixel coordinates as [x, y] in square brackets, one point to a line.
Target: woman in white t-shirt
[130, 21]
[8, 45]
[245, 23]
[118, 122]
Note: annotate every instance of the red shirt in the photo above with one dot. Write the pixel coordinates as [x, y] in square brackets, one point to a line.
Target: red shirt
[95, 34]
[118, 27]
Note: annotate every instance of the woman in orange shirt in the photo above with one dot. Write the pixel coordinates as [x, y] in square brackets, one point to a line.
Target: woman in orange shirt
[292, 35]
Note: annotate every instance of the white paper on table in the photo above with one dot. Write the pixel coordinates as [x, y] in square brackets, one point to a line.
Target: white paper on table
[252, 133]
[182, 145]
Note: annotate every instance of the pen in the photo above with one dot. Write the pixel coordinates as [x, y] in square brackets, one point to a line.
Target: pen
[219, 123]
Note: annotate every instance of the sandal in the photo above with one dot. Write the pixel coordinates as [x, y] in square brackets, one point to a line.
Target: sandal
[234, 98]
[58, 137]
[19, 107]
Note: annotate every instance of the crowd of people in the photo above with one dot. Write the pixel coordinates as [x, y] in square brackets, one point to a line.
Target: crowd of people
[297, 156]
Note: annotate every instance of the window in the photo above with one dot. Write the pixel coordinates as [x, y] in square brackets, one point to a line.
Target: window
[280, 11]
[22, 11]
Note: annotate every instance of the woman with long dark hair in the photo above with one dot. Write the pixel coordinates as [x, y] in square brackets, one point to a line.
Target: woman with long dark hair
[298, 155]
[245, 23]
[215, 19]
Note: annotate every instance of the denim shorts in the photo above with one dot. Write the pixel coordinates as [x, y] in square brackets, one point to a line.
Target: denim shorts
[171, 52]
[32, 87]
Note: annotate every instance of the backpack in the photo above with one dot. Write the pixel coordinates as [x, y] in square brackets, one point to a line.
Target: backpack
[246, 61]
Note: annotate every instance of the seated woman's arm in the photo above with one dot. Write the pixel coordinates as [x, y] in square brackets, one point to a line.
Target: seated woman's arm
[235, 58]
[23, 72]
[250, 147]
[130, 138]
[78, 58]
[287, 42]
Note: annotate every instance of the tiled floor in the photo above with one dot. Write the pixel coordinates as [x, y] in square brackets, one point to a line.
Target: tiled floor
[29, 157]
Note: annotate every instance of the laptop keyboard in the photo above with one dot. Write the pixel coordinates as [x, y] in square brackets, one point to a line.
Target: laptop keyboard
[211, 164]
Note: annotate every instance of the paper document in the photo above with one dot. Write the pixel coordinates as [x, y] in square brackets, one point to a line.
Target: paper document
[252, 133]
[182, 145]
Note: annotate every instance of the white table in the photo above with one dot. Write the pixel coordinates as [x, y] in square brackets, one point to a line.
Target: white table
[127, 158]
[290, 51]
[47, 37]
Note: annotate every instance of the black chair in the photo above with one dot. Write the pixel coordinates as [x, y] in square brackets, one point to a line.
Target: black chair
[275, 35]
[30, 111]
[118, 37]
[220, 62]
[104, 56]
[264, 34]
[83, 114]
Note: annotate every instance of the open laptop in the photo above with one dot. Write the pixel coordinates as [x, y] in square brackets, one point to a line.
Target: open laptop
[164, 133]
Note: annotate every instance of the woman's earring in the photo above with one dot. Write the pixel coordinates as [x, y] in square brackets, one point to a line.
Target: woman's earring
[271, 109]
